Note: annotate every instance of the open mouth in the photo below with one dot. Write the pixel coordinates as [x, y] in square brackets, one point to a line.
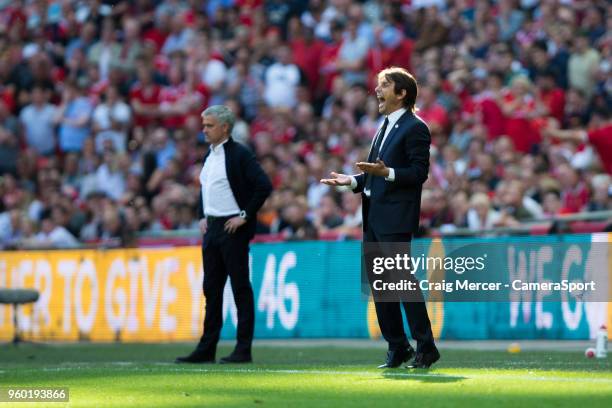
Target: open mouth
[380, 99]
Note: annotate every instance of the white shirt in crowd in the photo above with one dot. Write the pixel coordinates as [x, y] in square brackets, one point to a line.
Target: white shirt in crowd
[102, 117]
[112, 182]
[281, 85]
[214, 73]
[103, 114]
[217, 197]
[475, 223]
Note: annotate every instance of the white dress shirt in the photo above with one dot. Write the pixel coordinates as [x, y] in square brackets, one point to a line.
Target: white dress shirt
[393, 118]
[217, 197]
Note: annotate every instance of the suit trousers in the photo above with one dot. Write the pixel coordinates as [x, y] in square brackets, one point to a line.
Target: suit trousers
[389, 314]
[224, 255]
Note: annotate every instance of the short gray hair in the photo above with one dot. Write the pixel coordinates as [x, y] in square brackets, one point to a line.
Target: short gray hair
[222, 113]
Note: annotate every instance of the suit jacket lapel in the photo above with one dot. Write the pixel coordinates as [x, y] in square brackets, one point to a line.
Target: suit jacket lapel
[393, 131]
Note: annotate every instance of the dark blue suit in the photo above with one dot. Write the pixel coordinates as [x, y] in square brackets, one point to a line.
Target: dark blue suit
[394, 206]
[391, 214]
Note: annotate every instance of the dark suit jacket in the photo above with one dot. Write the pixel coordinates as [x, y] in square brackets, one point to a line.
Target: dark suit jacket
[248, 182]
[394, 206]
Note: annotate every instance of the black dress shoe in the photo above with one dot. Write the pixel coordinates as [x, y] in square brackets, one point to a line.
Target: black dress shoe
[425, 360]
[195, 358]
[236, 358]
[395, 358]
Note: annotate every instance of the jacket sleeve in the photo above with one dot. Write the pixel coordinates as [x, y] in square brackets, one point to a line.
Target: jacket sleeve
[360, 178]
[416, 145]
[258, 178]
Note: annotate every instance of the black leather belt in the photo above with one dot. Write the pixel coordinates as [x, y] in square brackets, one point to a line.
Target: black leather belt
[212, 218]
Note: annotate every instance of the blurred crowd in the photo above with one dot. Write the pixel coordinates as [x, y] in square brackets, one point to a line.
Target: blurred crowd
[100, 102]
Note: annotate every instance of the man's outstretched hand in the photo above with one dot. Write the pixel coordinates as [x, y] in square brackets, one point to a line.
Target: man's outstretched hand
[376, 169]
[337, 179]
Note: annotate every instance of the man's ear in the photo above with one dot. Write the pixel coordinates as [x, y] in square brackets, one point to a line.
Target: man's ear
[402, 94]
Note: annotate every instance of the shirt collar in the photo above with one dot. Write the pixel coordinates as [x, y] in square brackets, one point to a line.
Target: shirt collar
[395, 115]
[217, 149]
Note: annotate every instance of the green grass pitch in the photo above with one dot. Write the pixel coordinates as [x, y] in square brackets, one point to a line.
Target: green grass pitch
[143, 375]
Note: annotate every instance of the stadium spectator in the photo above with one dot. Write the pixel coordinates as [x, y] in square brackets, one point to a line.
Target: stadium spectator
[512, 203]
[112, 174]
[131, 44]
[144, 95]
[105, 54]
[110, 121]
[306, 50]
[521, 108]
[294, 224]
[73, 117]
[10, 223]
[213, 73]
[352, 220]
[37, 121]
[601, 193]
[114, 230]
[481, 216]
[574, 193]
[551, 96]
[600, 138]
[179, 35]
[582, 66]
[281, 81]
[352, 53]
[327, 216]
[163, 146]
[552, 204]
[51, 235]
[9, 145]
[460, 207]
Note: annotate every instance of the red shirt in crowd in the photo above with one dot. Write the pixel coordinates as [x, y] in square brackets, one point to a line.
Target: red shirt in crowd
[155, 36]
[168, 96]
[434, 114]
[379, 58]
[519, 126]
[601, 139]
[6, 96]
[554, 100]
[491, 115]
[145, 95]
[575, 199]
[329, 57]
[307, 56]
[401, 56]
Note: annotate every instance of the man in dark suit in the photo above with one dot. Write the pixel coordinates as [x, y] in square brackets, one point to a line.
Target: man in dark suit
[234, 187]
[390, 185]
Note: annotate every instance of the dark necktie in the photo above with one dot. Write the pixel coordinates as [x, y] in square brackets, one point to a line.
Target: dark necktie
[375, 151]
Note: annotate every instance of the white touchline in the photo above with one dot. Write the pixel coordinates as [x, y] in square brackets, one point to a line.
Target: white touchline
[122, 366]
